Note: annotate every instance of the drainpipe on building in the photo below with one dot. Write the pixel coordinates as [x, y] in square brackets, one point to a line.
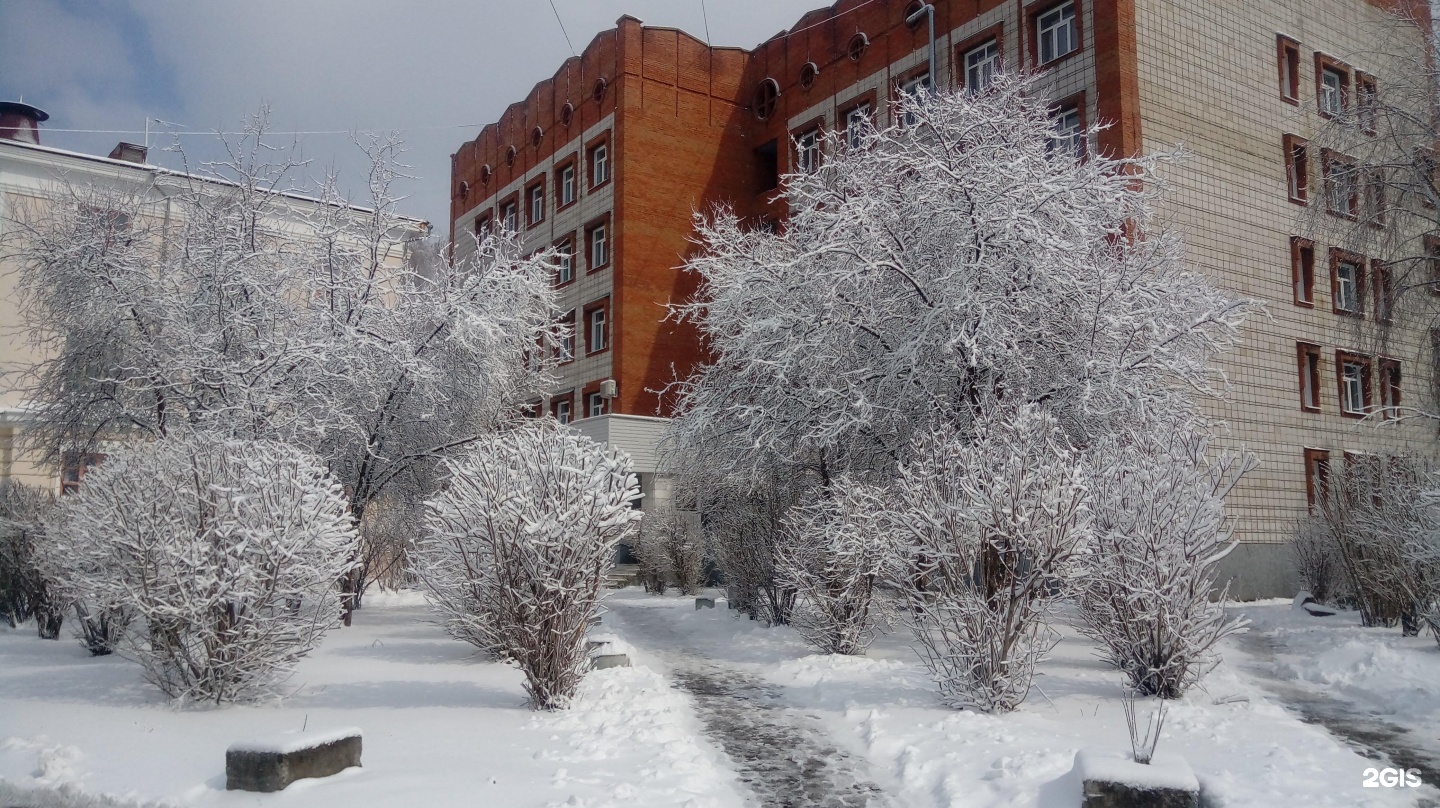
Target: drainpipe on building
[928, 10]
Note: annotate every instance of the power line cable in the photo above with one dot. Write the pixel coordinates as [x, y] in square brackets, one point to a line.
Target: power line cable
[270, 132]
[562, 28]
[706, 17]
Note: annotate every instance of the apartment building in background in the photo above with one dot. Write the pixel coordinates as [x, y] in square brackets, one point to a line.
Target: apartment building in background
[32, 177]
[609, 159]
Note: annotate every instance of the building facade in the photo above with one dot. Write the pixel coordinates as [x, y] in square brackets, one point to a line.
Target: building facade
[34, 177]
[611, 157]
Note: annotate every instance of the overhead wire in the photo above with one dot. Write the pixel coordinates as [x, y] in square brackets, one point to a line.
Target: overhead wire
[562, 28]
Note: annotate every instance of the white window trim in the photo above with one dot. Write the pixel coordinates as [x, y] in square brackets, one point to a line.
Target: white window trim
[599, 247]
[562, 411]
[857, 121]
[600, 165]
[1352, 385]
[1332, 98]
[566, 270]
[1347, 291]
[979, 74]
[1049, 34]
[596, 333]
[567, 185]
[537, 203]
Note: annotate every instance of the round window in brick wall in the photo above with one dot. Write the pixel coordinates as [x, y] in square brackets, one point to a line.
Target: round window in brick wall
[510, 156]
[485, 174]
[464, 190]
[808, 74]
[599, 92]
[857, 47]
[767, 95]
[567, 114]
[537, 136]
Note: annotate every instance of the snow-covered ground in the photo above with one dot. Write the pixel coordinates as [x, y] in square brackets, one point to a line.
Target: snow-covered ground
[716, 711]
[441, 728]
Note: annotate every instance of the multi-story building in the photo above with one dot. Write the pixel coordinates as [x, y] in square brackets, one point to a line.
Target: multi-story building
[32, 178]
[610, 158]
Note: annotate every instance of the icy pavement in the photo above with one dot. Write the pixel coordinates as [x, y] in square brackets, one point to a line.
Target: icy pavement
[781, 753]
[1370, 687]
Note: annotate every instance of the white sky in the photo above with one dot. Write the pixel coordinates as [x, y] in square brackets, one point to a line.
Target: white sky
[409, 65]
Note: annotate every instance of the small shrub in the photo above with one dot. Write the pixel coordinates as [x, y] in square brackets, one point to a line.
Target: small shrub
[518, 546]
[227, 553]
[24, 591]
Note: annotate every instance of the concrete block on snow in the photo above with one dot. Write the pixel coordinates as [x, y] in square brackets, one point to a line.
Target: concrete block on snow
[1117, 781]
[271, 765]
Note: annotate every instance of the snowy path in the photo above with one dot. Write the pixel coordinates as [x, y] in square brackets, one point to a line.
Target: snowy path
[784, 755]
[1355, 683]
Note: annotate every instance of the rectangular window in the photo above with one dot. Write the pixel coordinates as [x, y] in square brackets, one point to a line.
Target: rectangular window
[73, 468]
[1389, 388]
[1302, 270]
[1342, 193]
[807, 152]
[857, 124]
[1347, 282]
[597, 327]
[562, 410]
[599, 165]
[1069, 137]
[1353, 372]
[982, 63]
[599, 243]
[1309, 367]
[1367, 100]
[1375, 203]
[598, 405]
[1056, 34]
[537, 203]
[567, 340]
[914, 89]
[1289, 58]
[510, 216]
[1317, 475]
[767, 164]
[1334, 89]
[1432, 259]
[1297, 168]
[567, 185]
[1384, 292]
[565, 261]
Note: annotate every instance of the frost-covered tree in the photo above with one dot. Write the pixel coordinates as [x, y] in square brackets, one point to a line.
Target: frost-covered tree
[1160, 528]
[227, 553]
[24, 591]
[518, 546]
[936, 265]
[670, 549]
[218, 300]
[835, 559]
[990, 530]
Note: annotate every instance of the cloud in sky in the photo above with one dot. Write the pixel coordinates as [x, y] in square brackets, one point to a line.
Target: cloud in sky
[436, 70]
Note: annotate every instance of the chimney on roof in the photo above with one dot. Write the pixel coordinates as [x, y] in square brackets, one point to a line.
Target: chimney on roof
[20, 121]
[129, 152]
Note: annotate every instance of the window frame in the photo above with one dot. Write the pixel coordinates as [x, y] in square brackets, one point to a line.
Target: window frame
[567, 242]
[1383, 293]
[994, 35]
[1342, 376]
[1390, 380]
[900, 87]
[1323, 64]
[1338, 257]
[1329, 159]
[535, 192]
[1307, 355]
[865, 101]
[1032, 27]
[1075, 103]
[484, 225]
[592, 396]
[815, 131]
[1287, 53]
[503, 215]
[603, 306]
[1302, 271]
[601, 224]
[1367, 100]
[565, 351]
[569, 164]
[1317, 475]
[599, 145]
[568, 399]
[1297, 168]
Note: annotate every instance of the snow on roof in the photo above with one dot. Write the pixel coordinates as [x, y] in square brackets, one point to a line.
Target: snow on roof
[294, 741]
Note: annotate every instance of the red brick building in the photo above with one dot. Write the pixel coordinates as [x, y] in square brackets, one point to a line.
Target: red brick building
[611, 157]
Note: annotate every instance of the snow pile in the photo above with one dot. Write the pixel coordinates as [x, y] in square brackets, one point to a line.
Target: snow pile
[286, 743]
[1163, 771]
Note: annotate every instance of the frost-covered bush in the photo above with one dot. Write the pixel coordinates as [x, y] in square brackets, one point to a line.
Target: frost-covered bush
[744, 533]
[1160, 528]
[227, 553]
[1317, 559]
[834, 558]
[24, 590]
[670, 549]
[518, 545]
[989, 529]
[101, 631]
